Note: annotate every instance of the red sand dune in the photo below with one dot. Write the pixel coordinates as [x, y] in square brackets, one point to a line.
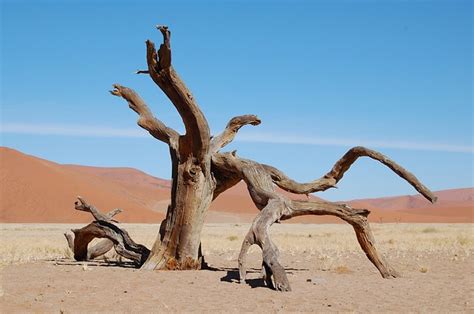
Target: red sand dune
[455, 205]
[37, 190]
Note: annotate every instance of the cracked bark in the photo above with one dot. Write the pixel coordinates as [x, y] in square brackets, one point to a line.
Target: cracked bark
[177, 245]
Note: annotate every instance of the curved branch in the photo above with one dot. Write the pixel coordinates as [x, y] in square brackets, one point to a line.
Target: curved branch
[337, 172]
[355, 217]
[103, 227]
[99, 249]
[224, 181]
[234, 125]
[197, 136]
[82, 205]
[146, 119]
[123, 244]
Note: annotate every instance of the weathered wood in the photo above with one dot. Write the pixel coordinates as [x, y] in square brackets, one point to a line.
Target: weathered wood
[330, 179]
[231, 130]
[275, 207]
[200, 173]
[177, 245]
[103, 227]
[122, 242]
[82, 205]
[146, 119]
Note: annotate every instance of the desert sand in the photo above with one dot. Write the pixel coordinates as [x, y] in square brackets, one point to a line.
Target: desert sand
[326, 268]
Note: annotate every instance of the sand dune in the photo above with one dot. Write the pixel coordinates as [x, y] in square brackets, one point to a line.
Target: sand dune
[37, 190]
[455, 205]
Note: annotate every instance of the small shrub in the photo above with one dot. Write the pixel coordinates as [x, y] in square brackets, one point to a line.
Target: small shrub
[429, 230]
[232, 238]
[463, 240]
[423, 270]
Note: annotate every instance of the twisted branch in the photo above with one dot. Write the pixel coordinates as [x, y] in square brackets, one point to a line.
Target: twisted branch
[197, 135]
[146, 119]
[337, 172]
[228, 135]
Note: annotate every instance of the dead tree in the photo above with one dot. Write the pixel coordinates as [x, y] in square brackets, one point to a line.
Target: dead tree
[200, 173]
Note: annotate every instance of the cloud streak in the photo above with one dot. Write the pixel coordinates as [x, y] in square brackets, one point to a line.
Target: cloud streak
[254, 137]
[347, 142]
[70, 130]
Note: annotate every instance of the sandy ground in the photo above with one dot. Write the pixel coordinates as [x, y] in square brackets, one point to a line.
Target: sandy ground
[326, 268]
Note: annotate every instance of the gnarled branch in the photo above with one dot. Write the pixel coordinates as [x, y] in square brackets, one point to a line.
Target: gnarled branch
[355, 217]
[197, 136]
[103, 227]
[337, 172]
[145, 118]
[123, 243]
[82, 205]
[234, 125]
[274, 207]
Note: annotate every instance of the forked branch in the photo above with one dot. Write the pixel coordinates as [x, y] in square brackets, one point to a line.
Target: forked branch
[82, 205]
[197, 135]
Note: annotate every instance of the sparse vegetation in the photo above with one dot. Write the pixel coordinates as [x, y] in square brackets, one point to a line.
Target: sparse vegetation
[423, 269]
[21, 243]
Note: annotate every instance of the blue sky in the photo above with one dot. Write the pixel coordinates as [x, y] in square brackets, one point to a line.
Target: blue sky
[323, 76]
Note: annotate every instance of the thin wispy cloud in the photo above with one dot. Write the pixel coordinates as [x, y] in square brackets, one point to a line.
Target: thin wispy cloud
[347, 142]
[69, 130]
[253, 137]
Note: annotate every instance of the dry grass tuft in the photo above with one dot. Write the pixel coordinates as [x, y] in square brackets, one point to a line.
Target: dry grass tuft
[344, 270]
[423, 269]
[232, 238]
[430, 230]
[464, 240]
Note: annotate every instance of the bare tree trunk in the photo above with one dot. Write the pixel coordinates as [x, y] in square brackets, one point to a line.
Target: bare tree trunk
[177, 246]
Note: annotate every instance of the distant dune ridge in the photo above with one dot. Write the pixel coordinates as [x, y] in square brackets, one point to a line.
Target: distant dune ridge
[41, 191]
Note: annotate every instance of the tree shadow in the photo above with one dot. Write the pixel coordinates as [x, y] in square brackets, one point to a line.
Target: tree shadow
[232, 276]
[93, 263]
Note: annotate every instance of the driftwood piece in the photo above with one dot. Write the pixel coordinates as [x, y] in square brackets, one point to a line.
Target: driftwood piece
[113, 237]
